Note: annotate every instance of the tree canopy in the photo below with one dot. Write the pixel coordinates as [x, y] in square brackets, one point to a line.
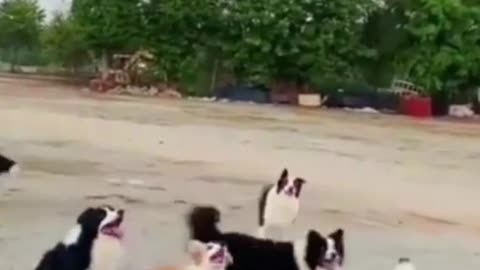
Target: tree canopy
[109, 26]
[434, 43]
[21, 25]
[65, 42]
[444, 39]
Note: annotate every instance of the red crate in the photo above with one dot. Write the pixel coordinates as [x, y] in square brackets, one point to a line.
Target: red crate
[417, 106]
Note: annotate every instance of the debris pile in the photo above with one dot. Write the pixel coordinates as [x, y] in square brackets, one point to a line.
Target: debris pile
[145, 91]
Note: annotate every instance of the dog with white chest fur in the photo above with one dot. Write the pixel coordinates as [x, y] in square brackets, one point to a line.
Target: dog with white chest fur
[94, 243]
[279, 204]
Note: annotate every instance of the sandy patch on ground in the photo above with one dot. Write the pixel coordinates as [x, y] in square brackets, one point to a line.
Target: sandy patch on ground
[399, 187]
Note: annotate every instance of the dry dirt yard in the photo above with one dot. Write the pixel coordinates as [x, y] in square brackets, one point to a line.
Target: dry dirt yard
[399, 187]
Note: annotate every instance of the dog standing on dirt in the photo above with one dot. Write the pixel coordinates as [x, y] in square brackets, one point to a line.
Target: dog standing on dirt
[206, 256]
[279, 204]
[94, 243]
[311, 252]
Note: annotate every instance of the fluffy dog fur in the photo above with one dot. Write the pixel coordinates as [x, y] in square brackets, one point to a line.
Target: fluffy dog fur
[206, 256]
[250, 253]
[94, 243]
[279, 204]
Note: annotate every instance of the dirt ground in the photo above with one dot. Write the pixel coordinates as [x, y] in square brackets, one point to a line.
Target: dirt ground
[399, 187]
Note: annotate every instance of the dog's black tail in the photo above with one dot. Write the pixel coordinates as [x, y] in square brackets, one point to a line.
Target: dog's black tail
[262, 203]
[202, 224]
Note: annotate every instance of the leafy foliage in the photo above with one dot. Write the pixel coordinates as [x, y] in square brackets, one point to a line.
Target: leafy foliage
[383, 34]
[444, 39]
[173, 30]
[20, 24]
[262, 40]
[434, 43]
[65, 42]
[109, 25]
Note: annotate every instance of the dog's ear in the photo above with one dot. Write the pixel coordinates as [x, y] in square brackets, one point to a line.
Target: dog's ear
[282, 181]
[299, 181]
[298, 184]
[315, 249]
[86, 215]
[314, 236]
[91, 218]
[337, 235]
[284, 174]
[196, 249]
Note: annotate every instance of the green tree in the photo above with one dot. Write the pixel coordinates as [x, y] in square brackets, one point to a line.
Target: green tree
[20, 26]
[444, 39]
[261, 41]
[110, 26]
[65, 43]
[181, 33]
[294, 40]
[384, 34]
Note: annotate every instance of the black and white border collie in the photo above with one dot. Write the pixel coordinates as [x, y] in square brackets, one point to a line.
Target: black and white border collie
[279, 204]
[94, 243]
[249, 253]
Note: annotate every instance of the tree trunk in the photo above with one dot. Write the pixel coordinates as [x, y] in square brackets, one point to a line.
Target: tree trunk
[93, 60]
[73, 73]
[104, 61]
[13, 59]
[213, 80]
